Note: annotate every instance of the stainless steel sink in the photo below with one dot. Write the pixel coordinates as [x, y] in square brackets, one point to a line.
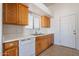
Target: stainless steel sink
[37, 34]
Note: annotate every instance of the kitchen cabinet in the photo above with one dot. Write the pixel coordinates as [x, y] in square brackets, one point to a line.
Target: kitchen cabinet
[11, 48]
[43, 42]
[23, 14]
[45, 22]
[11, 52]
[15, 14]
[10, 13]
[50, 39]
[38, 46]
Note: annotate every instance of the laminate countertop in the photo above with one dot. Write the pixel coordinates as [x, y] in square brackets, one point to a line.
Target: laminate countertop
[9, 38]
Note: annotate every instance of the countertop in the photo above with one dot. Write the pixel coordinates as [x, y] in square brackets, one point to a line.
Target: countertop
[10, 38]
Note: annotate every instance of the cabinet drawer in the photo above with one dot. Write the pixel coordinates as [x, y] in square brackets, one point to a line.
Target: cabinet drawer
[10, 44]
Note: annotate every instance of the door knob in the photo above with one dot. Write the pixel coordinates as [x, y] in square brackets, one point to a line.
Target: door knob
[74, 33]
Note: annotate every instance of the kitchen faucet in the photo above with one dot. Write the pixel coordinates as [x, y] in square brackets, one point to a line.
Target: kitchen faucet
[36, 31]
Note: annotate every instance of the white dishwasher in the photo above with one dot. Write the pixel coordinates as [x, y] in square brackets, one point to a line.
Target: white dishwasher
[27, 47]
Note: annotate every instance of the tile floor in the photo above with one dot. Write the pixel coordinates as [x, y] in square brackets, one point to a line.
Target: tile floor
[56, 50]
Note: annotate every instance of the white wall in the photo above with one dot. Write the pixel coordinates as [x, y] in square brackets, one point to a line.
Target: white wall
[58, 10]
[14, 31]
[35, 9]
[21, 30]
[0, 28]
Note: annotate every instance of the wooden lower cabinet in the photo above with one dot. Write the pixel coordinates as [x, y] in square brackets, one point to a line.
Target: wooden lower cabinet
[11, 48]
[51, 39]
[43, 42]
[38, 46]
[11, 52]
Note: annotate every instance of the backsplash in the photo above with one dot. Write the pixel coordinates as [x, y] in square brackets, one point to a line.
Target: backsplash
[12, 30]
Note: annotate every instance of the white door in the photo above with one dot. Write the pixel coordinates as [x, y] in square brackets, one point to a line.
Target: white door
[77, 32]
[68, 31]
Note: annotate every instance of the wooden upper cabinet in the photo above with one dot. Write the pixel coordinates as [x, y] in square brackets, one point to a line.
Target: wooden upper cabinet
[45, 21]
[23, 14]
[10, 13]
[15, 13]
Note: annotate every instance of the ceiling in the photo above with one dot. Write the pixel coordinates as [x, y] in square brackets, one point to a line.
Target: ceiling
[37, 10]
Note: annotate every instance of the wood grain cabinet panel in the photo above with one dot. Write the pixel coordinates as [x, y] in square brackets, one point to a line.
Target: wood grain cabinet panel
[10, 44]
[50, 39]
[11, 48]
[38, 45]
[43, 42]
[10, 13]
[23, 15]
[45, 21]
[15, 14]
[11, 52]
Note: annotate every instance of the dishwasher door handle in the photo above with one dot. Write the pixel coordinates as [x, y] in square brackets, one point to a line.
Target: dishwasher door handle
[25, 39]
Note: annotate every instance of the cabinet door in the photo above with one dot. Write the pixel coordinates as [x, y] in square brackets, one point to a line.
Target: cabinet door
[11, 52]
[10, 13]
[41, 44]
[44, 43]
[38, 46]
[51, 41]
[23, 15]
[45, 21]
